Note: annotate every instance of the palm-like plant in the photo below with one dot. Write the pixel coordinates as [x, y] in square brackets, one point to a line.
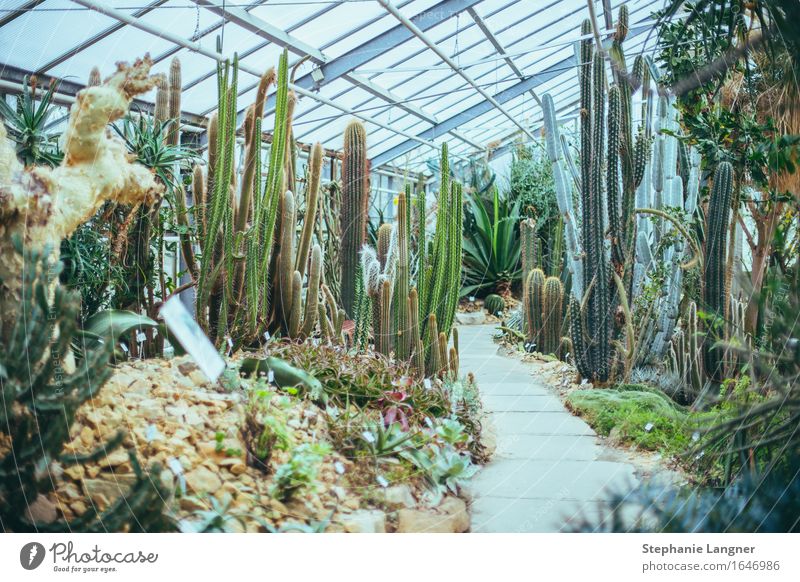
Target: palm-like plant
[27, 125]
[491, 247]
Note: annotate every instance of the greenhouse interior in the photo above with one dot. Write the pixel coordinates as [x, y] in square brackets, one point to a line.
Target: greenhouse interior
[377, 266]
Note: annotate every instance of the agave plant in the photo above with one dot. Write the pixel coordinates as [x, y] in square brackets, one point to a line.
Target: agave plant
[146, 137]
[491, 247]
[28, 125]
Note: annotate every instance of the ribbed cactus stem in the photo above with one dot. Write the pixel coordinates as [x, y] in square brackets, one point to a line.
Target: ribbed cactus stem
[294, 312]
[435, 361]
[213, 134]
[612, 180]
[94, 78]
[286, 258]
[175, 88]
[534, 290]
[200, 200]
[715, 292]
[355, 200]
[421, 250]
[384, 241]
[403, 346]
[443, 353]
[529, 246]
[552, 305]
[312, 202]
[384, 341]
[418, 354]
[312, 292]
[161, 108]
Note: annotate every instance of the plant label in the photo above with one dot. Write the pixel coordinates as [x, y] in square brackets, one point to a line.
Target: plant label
[191, 337]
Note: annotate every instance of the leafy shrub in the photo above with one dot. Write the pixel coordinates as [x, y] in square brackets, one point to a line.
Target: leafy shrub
[265, 428]
[638, 415]
[299, 472]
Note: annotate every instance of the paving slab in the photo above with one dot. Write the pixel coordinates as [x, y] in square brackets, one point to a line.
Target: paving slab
[548, 470]
[548, 447]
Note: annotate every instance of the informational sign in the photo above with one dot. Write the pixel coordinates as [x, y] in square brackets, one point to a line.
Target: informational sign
[194, 341]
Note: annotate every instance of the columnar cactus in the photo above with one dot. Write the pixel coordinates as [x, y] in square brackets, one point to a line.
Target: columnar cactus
[533, 305]
[175, 89]
[552, 316]
[685, 354]
[355, 201]
[403, 340]
[714, 291]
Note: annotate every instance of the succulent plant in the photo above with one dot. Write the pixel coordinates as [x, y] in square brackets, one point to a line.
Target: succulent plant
[494, 304]
[552, 315]
[355, 200]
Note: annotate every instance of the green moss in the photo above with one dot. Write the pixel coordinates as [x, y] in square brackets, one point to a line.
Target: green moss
[638, 415]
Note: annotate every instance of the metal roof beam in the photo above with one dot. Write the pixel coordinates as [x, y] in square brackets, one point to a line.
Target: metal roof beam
[262, 28]
[453, 65]
[66, 55]
[382, 43]
[22, 10]
[197, 48]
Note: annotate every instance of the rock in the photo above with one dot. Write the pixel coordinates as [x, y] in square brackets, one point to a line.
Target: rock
[42, 510]
[75, 472]
[365, 521]
[398, 496]
[457, 510]
[190, 503]
[105, 491]
[474, 318]
[115, 458]
[234, 465]
[202, 480]
[417, 521]
[87, 436]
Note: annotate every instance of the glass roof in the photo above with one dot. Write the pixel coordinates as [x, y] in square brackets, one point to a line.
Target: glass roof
[370, 63]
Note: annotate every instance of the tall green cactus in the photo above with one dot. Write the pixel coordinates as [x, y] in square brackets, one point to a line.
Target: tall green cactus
[403, 344]
[533, 305]
[552, 316]
[233, 275]
[715, 292]
[355, 201]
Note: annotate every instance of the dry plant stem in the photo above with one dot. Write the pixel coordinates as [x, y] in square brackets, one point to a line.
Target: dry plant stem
[43, 205]
[698, 256]
[631, 340]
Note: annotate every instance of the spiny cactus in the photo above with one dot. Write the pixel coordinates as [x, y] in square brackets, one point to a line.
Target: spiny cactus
[401, 324]
[685, 356]
[41, 399]
[355, 201]
[175, 88]
[233, 279]
[494, 304]
[552, 316]
[533, 305]
[715, 292]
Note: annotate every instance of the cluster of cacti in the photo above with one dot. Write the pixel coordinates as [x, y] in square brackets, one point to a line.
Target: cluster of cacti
[685, 355]
[612, 168]
[41, 393]
[543, 299]
[414, 322]
[715, 289]
[494, 304]
[244, 285]
[355, 201]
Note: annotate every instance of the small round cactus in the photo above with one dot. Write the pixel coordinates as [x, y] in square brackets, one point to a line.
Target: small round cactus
[494, 304]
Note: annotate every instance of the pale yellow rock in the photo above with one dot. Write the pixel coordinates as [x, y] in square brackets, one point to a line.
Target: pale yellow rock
[202, 480]
[457, 509]
[417, 521]
[365, 521]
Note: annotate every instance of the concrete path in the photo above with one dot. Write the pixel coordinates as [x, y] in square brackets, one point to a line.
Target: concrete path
[548, 467]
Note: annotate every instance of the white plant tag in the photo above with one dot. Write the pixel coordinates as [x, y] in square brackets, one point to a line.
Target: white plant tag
[124, 347]
[140, 337]
[270, 376]
[266, 336]
[339, 467]
[427, 383]
[648, 427]
[194, 341]
[382, 481]
[175, 466]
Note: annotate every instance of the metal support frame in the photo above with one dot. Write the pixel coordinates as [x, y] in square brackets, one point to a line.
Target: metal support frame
[453, 65]
[22, 10]
[196, 47]
[258, 26]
